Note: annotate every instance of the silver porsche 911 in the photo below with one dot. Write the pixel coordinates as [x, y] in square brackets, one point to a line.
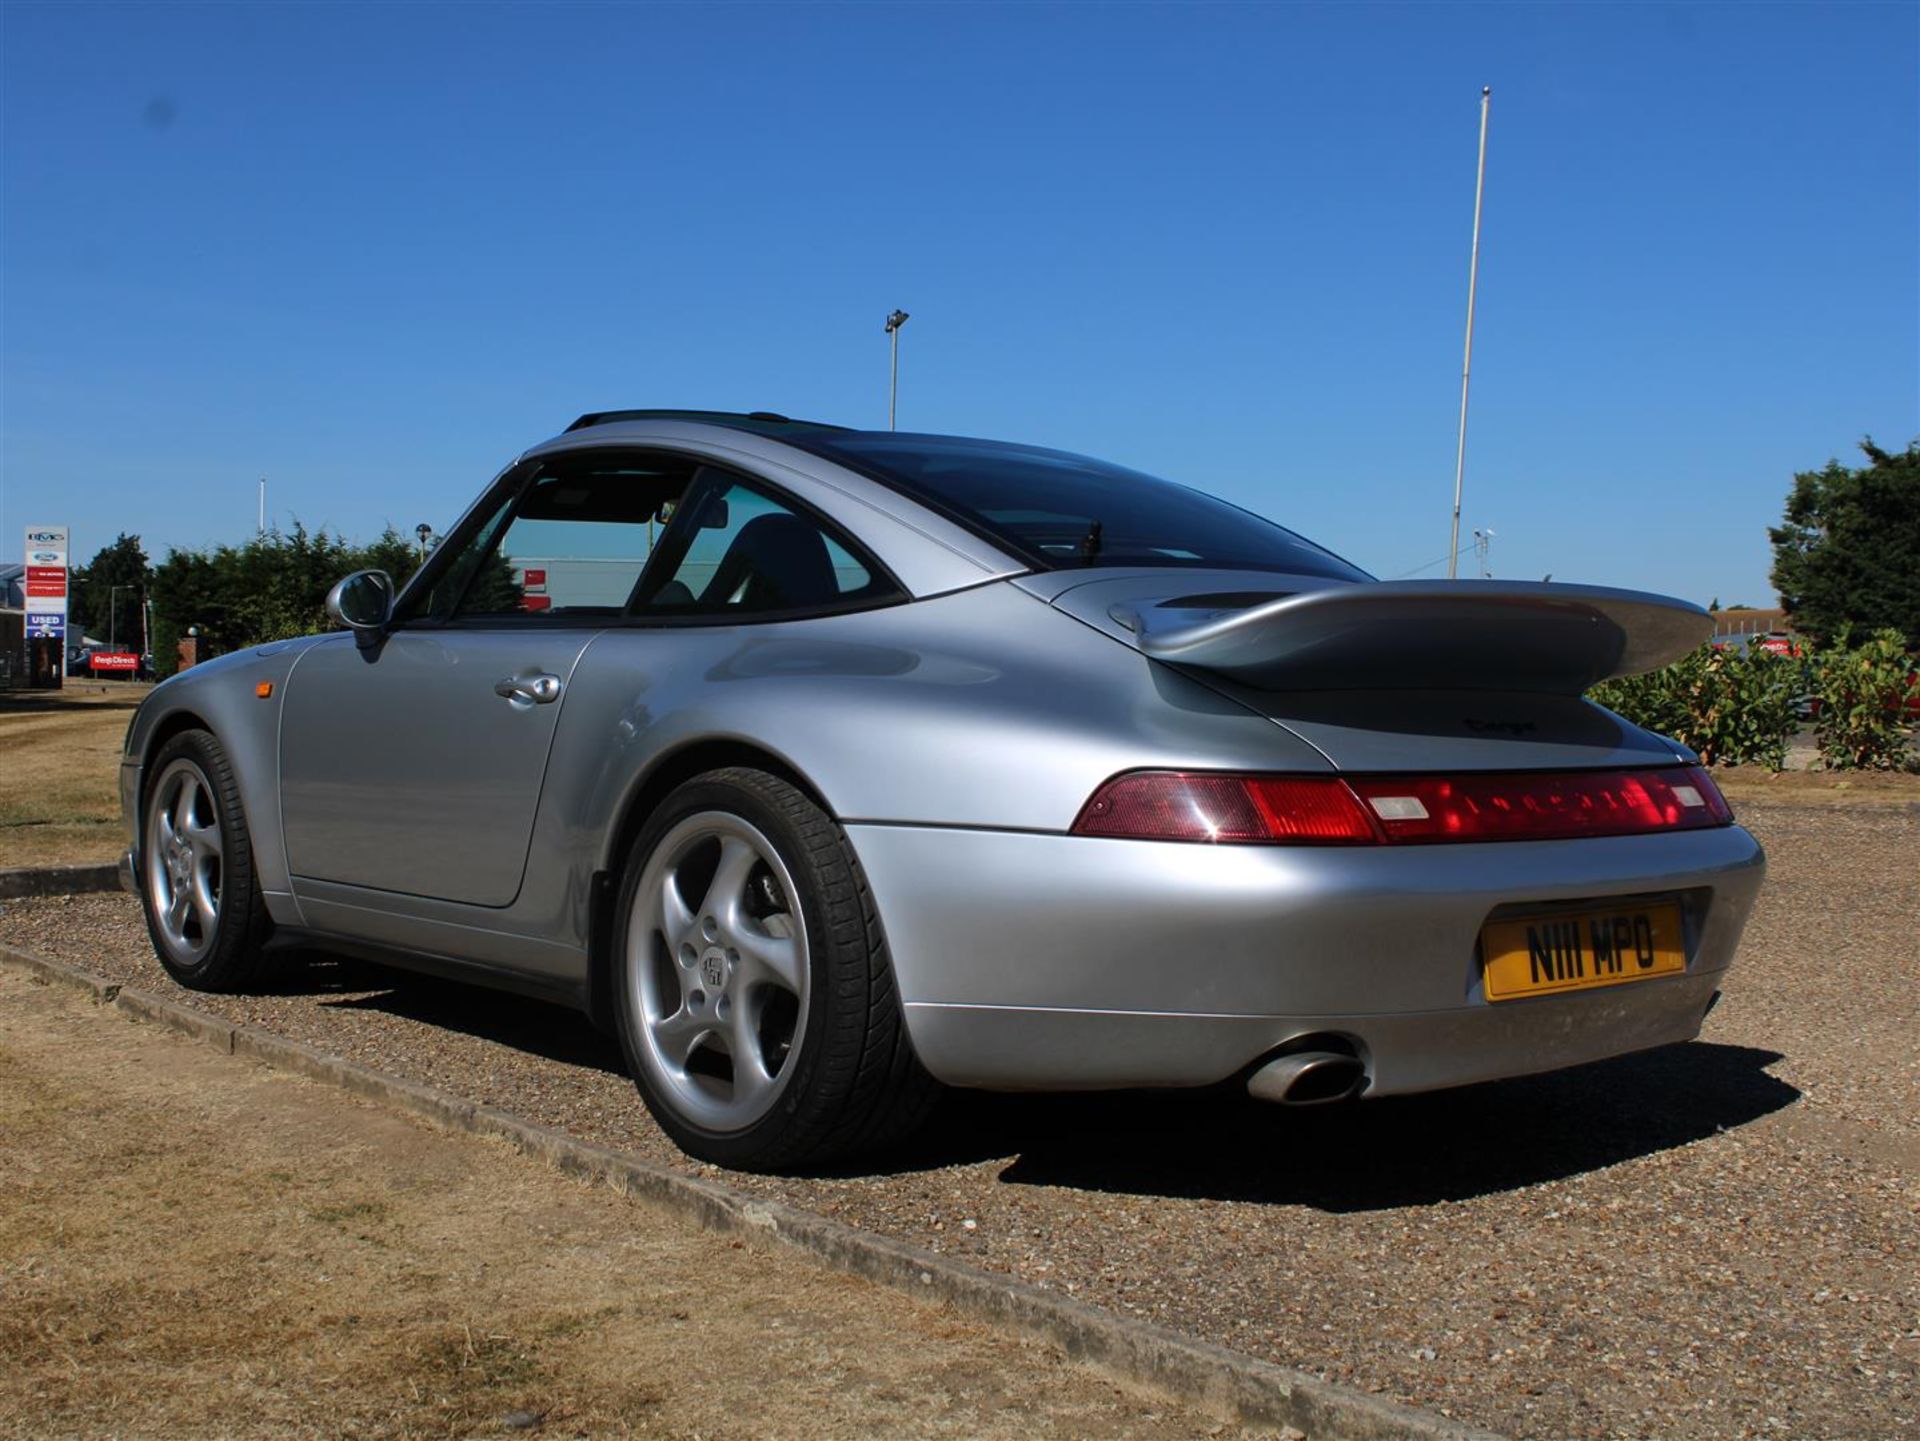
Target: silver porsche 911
[828, 766]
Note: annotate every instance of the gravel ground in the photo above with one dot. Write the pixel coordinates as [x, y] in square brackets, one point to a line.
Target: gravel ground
[1712, 1240]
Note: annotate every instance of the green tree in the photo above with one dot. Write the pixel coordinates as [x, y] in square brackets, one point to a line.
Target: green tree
[188, 591]
[1849, 551]
[108, 590]
[271, 588]
[392, 552]
[275, 586]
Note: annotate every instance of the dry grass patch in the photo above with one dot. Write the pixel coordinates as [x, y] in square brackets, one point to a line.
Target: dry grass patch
[192, 1245]
[59, 773]
[1818, 787]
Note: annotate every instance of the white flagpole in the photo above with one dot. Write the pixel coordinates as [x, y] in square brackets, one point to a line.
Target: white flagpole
[1466, 365]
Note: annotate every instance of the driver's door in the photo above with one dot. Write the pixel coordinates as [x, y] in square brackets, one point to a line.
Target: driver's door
[414, 766]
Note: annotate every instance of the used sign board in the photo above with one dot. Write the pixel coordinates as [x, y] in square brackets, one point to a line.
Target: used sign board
[46, 588]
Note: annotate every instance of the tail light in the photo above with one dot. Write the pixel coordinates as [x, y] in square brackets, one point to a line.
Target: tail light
[1402, 810]
[1177, 806]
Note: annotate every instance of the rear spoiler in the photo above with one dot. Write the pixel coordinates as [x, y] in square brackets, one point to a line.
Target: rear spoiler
[1427, 634]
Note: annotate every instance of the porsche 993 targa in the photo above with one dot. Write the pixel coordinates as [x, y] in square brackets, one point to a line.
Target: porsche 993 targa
[830, 767]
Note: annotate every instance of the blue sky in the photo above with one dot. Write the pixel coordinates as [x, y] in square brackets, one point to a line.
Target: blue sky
[372, 251]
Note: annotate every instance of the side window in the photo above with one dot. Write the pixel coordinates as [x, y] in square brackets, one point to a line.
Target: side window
[581, 532]
[738, 551]
[451, 583]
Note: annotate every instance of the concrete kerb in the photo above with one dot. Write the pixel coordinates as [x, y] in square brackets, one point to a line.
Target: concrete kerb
[19, 884]
[1249, 1390]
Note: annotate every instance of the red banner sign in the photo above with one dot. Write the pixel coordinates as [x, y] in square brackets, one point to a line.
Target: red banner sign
[46, 580]
[113, 660]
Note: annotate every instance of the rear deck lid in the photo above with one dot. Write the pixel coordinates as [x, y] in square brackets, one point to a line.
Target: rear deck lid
[1406, 675]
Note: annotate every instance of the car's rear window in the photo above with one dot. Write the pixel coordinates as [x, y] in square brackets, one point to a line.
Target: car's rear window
[1063, 510]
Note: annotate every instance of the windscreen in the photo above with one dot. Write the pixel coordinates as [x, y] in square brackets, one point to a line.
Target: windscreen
[1061, 510]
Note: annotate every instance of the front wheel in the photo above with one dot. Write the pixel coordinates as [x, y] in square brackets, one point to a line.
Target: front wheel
[756, 1003]
[202, 900]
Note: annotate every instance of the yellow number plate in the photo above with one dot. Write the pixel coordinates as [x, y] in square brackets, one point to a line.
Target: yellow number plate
[1577, 950]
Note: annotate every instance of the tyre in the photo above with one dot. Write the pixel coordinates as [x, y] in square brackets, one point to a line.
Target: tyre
[753, 992]
[202, 900]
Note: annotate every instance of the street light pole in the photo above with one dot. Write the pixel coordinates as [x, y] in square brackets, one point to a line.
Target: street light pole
[894, 322]
[1466, 364]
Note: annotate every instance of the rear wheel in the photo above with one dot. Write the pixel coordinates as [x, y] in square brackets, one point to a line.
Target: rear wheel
[202, 900]
[755, 998]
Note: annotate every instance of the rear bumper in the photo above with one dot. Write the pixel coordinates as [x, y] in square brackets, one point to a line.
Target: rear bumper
[1028, 1049]
[1101, 963]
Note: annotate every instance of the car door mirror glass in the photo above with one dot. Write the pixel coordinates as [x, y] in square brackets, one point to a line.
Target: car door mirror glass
[363, 603]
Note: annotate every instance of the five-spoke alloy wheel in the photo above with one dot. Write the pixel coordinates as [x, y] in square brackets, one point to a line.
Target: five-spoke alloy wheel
[720, 970]
[203, 907]
[183, 859]
[752, 987]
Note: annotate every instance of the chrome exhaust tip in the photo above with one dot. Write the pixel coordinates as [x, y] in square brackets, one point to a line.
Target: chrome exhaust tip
[1308, 1078]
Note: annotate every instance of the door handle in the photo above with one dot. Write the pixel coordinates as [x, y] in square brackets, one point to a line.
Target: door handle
[523, 691]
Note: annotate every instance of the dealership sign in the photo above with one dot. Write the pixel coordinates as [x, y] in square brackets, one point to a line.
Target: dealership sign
[113, 660]
[46, 582]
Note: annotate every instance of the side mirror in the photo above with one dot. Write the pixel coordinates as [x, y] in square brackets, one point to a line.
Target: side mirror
[363, 603]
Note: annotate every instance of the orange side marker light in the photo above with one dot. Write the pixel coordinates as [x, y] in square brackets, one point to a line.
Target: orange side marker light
[264, 689]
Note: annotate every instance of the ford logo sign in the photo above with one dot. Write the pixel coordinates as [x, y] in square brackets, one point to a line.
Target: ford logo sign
[45, 557]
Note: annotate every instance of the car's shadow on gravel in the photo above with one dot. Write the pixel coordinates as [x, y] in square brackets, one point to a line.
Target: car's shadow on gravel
[535, 1027]
[1215, 1144]
[31, 703]
[1401, 1151]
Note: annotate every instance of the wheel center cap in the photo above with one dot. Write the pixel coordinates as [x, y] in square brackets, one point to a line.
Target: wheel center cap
[713, 967]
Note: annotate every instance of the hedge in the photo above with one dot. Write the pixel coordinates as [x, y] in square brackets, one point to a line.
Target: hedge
[1742, 706]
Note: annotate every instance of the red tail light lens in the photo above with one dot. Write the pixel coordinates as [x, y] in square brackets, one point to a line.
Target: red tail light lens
[1181, 806]
[1402, 810]
[1559, 806]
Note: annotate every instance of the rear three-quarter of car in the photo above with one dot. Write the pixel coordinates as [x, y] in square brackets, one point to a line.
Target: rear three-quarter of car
[1404, 885]
[824, 765]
